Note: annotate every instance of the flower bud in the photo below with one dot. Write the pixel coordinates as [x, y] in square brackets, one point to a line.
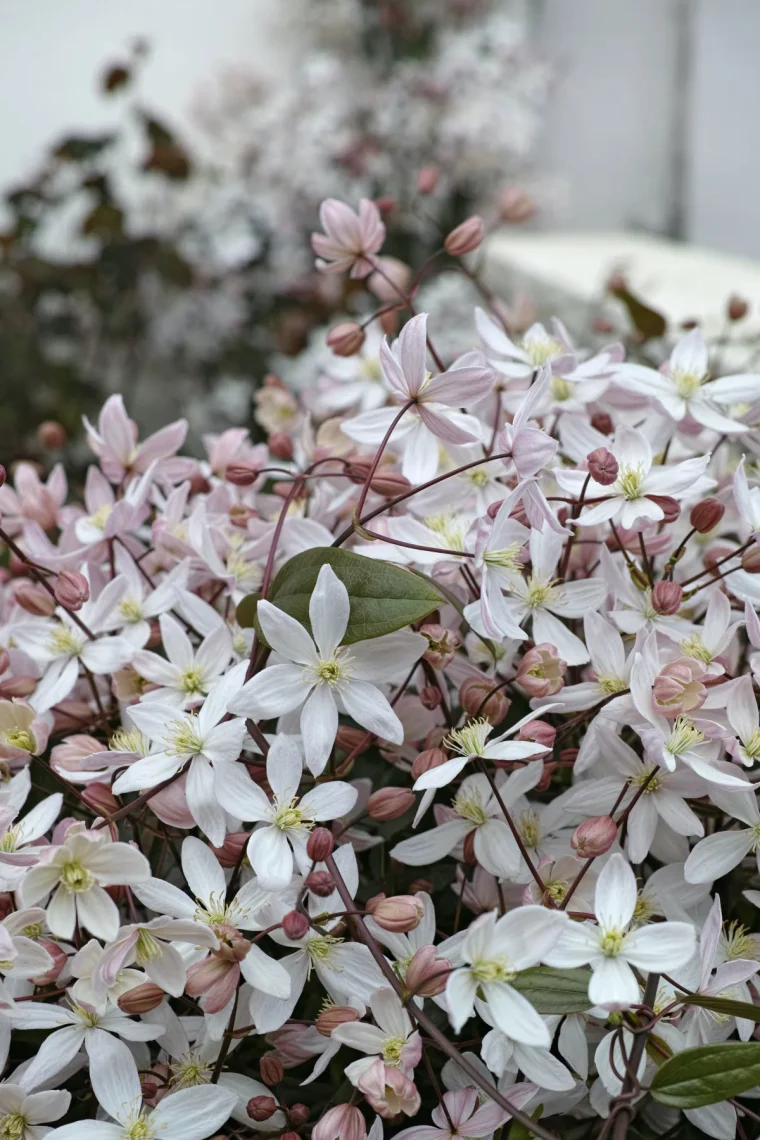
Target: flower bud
[427, 179]
[542, 671]
[398, 914]
[71, 589]
[468, 849]
[298, 1114]
[320, 883]
[539, 731]
[346, 339]
[34, 599]
[667, 598]
[430, 697]
[594, 836]
[678, 687]
[100, 798]
[348, 738]
[271, 1070]
[706, 515]
[442, 644]
[669, 506]
[295, 925]
[387, 483]
[341, 1122]
[602, 421]
[149, 1089]
[466, 237]
[426, 974]
[241, 474]
[477, 698]
[424, 761]
[142, 999]
[261, 1108]
[737, 307]
[390, 803]
[59, 957]
[289, 1136]
[280, 445]
[22, 686]
[228, 855]
[602, 466]
[51, 435]
[320, 844]
[421, 885]
[334, 1016]
[516, 205]
[751, 560]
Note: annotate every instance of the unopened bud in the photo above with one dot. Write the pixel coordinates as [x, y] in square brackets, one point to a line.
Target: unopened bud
[100, 798]
[387, 483]
[602, 421]
[59, 957]
[426, 974]
[346, 339]
[270, 1067]
[424, 761]
[51, 435]
[298, 1114]
[34, 599]
[142, 999]
[261, 1108]
[320, 844]
[669, 506]
[320, 883]
[751, 560]
[390, 803]
[539, 731]
[241, 474]
[478, 696]
[228, 855]
[737, 308]
[149, 1089]
[71, 589]
[280, 445]
[348, 738]
[442, 644]
[427, 179]
[706, 515]
[295, 925]
[516, 206]
[602, 466]
[289, 1136]
[466, 237]
[398, 914]
[594, 836]
[334, 1016]
[542, 671]
[468, 849]
[418, 885]
[666, 598]
[22, 686]
[430, 697]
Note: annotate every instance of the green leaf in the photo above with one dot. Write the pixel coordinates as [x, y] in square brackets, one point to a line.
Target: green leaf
[383, 597]
[708, 1074]
[728, 1006]
[647, 322]
[553, 990]
[519, 1131]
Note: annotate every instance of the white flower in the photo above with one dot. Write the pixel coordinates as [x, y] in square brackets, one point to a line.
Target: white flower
[289, 818]
[742, 713]
[76, 873]
[23, 1115]
[186, 675]
[498, 557]
[717, 854]
[324, 674]
[392, 1037]
[190, 1114]
[611, 947]
[502, 1054]
[472, 742]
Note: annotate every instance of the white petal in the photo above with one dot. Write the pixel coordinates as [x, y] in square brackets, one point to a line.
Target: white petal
[202, 870]
[371, 710]
[114, 1077]
[193, 1114]
[285, 634]
[613, 984]
[615, 895]
[319, 725]
[515, 1016]
[275, 690]
[716, 855]
[265, 973]
[329, 609]
[271, 858]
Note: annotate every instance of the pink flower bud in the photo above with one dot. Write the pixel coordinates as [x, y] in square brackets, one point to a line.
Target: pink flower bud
[348, 738]
[233, 946]
[424, 761]
[477, 698]
[602, 421]
[334, 1016]
[751, 561]
[706, 515]
[295, 925]
[427, 179]
[59, 957]
[241, 474]
[228, 854]
[542, 672]
[298, 1114]
[678, 688]
[391, 281]
[737, 308]
[667, 597]
[346, 339]
[387, 483]
[341, 1122]
[34, 599]
[602, 466]
[669, 506]
[390, 803]
[271, 1070]
[539, 731]
[261, 1108]
[466, 237]
[442, 644]
[51, 435]
[142, 999]
[100, 798]
[594, 836]
[320, 844]
[320, 883]
[430, 697]
[280, 445]
[22, 686]
[426, 974]
[398, 914]
[71, 589]
[516, 206]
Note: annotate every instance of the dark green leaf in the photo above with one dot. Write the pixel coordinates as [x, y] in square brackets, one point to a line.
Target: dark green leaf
[728, 1006]
[708, 1074]
[383, 597]
[552, 990]
[646, 321]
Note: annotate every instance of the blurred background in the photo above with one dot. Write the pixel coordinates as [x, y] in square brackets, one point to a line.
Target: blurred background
[163, 163]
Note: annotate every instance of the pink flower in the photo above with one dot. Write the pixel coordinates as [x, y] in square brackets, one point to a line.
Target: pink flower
[466, 1117]
[115, 441]
[349, 239]
[31, 500]
[389, 1091]
[341, 1122]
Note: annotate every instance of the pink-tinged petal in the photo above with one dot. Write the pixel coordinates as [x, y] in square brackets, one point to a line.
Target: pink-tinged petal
[460, 386]
[451, 427]
[411, 349]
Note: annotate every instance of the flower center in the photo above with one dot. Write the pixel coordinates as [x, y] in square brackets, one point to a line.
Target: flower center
[76, 878]
[687, 383]
[9, 841]
[192, 681]
[653, 785]
[739, 943]
[89, 1017]
[561, 389]
[685, 735]
[694, 646]
[479, 477]
[469, 807]
[752, 746]
[630, 481]
[392, 1047]
[189, 1071]
[540, 350]
[148, 948]
[492, 971]
[100, 517]
[470, 740]
[247, 575]
[509, 558]
[130, 609]
[539, 593]
[139, 1129]
[609, 684]
[184, 738]
[611, 943]
[129, 740]
[13, 1126]
[64, 642]
[289, 817]
[330, 671]
[20, 738]
[449, 530]
[530, 828]
[321, 949]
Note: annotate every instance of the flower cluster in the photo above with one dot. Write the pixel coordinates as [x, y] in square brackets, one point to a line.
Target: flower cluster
[395, 759]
